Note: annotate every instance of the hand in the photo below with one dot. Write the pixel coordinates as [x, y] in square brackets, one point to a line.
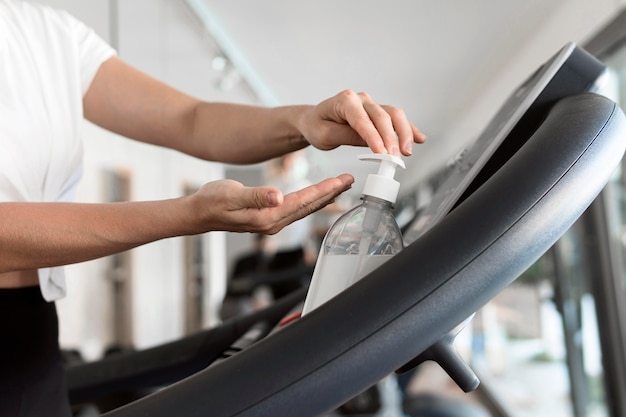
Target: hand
[228, 205]
[351, 118]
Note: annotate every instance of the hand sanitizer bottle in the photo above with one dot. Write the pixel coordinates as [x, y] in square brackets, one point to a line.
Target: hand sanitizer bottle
[362, 239]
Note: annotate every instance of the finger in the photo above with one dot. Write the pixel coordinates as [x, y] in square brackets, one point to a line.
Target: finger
[259, 197]
[322, 192]
[310, 199]
[407, 132]
[352, 110]
[345, 135]
[378, 126]
[383, 123]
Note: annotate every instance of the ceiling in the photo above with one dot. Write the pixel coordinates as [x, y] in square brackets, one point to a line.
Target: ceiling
[432, 58]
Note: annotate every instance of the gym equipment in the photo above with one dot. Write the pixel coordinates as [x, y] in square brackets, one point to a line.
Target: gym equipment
[491, 224]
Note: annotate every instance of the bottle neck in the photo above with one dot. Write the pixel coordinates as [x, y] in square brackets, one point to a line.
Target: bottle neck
[370, 200]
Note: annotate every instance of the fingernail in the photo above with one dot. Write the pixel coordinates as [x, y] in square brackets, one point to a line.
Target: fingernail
[272, 199]
[395, 150]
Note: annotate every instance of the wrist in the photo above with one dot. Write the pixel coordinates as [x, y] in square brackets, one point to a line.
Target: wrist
[297, 117]
[192, 218]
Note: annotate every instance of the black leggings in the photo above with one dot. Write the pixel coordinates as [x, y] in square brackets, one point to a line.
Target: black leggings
[32, 378]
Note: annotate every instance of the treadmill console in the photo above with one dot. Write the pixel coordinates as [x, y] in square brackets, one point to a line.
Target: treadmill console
[570, 71]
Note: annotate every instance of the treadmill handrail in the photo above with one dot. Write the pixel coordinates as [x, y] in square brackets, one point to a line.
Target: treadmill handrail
[168, 363]
[410, 302]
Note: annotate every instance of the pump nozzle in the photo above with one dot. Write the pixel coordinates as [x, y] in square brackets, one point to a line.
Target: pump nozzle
[383, 185]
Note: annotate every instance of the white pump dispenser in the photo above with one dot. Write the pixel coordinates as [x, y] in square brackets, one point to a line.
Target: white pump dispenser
[383, 185]
[362, 239]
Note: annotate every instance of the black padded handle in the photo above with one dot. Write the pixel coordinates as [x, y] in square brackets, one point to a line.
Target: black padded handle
[412, 301]
[168, 363]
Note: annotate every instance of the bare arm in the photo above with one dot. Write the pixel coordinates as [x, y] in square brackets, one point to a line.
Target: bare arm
[126, 101]
[129, 102]
[36, 235]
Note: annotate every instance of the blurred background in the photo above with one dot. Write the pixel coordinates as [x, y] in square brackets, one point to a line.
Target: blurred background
[541, 347]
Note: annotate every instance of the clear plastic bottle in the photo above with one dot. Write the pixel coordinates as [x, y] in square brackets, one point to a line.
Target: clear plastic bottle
[360, 240]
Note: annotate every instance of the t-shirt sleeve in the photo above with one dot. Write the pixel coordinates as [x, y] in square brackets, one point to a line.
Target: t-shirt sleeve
[92, 50]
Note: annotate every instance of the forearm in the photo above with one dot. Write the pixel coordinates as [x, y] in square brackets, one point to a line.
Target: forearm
[242, 134]
[137, 106]
[130, 103]
[36, 235]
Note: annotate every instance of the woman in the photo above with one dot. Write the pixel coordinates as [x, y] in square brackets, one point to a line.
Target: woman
[53, 72]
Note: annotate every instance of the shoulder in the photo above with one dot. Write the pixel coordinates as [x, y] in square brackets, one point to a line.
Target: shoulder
[56, 37]
[42, 20]
[26, 12]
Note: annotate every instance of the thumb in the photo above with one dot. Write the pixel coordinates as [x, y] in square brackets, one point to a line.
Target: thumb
[262, 197]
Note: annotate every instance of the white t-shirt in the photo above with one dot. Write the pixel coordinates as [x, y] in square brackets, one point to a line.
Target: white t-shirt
[47, 62]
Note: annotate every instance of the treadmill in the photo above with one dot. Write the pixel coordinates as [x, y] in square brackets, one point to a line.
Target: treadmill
[537, 166]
